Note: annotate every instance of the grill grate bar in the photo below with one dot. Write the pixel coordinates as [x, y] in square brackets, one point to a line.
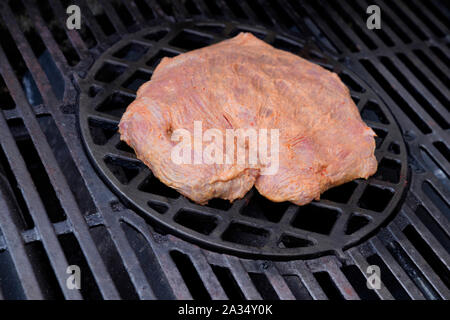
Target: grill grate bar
[332, 268]
[43, 225]
[363, 265]
[269, 11]
[157, 9]
[246, 9]
[161, 251]
[174, 277]
[435, 82]
[267, 233]
[242, 278]
[296, 17]
[388, 24]
[431, 240]
[33, 65]
[278, 283]
[440, 166]
[113, 17]
[436, 22]
[396, 16]
[299, 268]
[424, 117]
[438, 65]
[73, 35]
[431, 206]
[134, 11]
[129, 258]
[359, 33]
[354, 42]
[179, 11]
[438, 156]
[431, 62]
[282, 15]
[358, 15]
[47, 37]
[396, 81]
[440, 12]
[90, 21]
[423, 266]
[13, 241]
[202, 7]
[56, 176]
[397, 270]
[227, 13]
[393, 23]
[416, 20]
[205, 272]
[105, 117]
[72, 211]
[327, 29]
[344, 286]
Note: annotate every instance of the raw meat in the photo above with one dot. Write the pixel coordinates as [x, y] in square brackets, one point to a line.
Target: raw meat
[244, 82]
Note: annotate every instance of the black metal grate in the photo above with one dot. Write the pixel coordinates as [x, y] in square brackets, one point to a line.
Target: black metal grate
[406, 63]
[252, 226]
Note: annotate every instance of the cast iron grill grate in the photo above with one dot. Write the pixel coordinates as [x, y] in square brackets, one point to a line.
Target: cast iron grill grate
[126, 257]
[252, 226]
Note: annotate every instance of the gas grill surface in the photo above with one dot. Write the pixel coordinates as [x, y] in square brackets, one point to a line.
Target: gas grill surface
[72, 194]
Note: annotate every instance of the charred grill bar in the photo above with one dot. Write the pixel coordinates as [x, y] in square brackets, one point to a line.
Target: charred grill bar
[63, 204]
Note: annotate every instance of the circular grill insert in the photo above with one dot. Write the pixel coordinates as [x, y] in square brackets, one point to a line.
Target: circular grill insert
[252, 226]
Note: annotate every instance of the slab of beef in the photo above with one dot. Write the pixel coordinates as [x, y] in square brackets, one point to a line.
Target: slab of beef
[244, 83]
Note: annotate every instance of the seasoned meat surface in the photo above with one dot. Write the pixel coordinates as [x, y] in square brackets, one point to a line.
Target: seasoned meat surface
[244, 83]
